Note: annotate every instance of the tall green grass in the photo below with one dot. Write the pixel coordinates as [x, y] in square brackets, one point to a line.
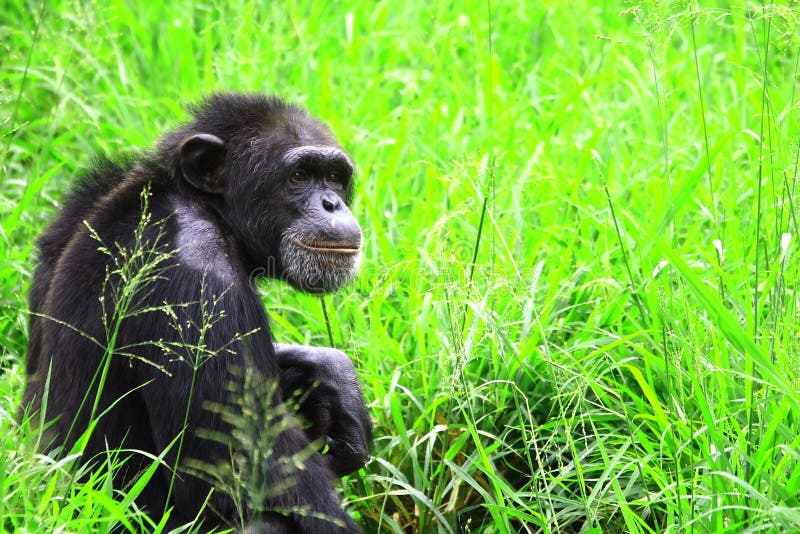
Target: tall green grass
[578, 308]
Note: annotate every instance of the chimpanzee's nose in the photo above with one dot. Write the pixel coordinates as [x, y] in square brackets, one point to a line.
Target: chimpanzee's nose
[330, 201]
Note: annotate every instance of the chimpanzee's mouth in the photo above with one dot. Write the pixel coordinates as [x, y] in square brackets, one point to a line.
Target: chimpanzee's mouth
[328, 247]
[319, 264]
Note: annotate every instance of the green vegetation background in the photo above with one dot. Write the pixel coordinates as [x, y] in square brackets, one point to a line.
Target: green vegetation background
[578, 310]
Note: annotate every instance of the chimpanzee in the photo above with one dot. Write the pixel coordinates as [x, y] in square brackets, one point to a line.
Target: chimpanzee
[145, 319]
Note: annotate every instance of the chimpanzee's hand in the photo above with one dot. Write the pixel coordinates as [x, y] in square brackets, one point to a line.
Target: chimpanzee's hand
[325, 382]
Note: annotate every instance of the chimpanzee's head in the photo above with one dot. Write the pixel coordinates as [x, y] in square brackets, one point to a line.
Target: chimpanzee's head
[281, 183]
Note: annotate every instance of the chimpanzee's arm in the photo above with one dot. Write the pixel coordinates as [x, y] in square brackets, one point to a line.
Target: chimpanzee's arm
[234, 312]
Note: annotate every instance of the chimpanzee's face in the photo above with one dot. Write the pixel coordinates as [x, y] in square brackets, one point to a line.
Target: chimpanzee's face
[285, 194]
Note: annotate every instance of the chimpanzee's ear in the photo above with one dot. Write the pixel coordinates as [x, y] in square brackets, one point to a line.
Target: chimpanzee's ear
[203, 162]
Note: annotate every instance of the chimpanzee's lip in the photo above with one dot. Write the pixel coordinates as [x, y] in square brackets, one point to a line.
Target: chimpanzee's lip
[328, 247]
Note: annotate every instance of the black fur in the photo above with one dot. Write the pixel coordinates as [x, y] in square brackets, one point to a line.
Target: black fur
[251, 186]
